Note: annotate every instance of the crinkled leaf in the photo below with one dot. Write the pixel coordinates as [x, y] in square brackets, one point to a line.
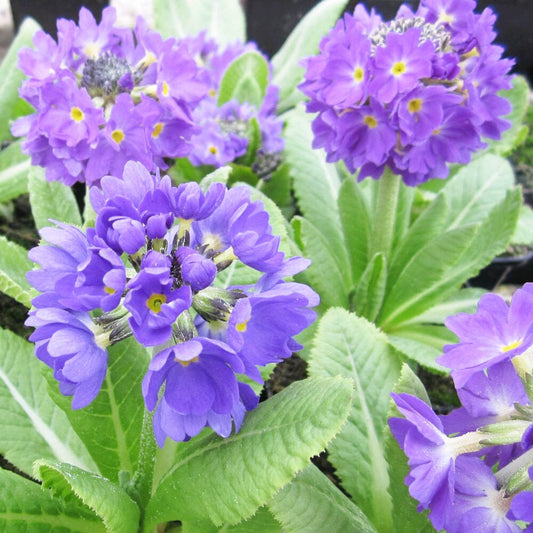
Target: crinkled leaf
[352, 347]
[371, 288]
[14, 264]
[490, 239]
[118, 512]
[428, 268]
[220, 175]
[11, 105]
[33, 427]
[354, 212]
[253, 133]
[406, 517]
[476, 189]
[245, 80]
[324, 274]
[51, 200]
[110, 426]
[14, 169]
[303, 41]
[310, 502]
[226, 480]
[524, 229]
[422, 343]
[223, 20]
[316, 186]
[261, 522]
[278, 186]
[24, 507]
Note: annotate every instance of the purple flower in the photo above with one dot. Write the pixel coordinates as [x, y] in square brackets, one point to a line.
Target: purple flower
[71, 344]
[78, 271]
[495, 332]
[153, 303]
[191, 203]
[479, 505]
[434, 75]
[522, 506]
[261, 327]
[432, 456]
[201, 390]
[195, 269]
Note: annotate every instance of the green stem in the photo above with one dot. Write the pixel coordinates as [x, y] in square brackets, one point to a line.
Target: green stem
[385, 217]
[143, 478]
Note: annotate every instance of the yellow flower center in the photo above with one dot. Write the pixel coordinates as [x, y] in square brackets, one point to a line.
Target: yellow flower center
[370, 121]
[241, 328]
[212, 93]
[213, 149]
[187, 363]
[118, 136]
[398, 68]
[155, 302]
[91, 50]
[77, 114]
[109, 290]
[358, 74]
[511, 346]
[165, 89]
[445, 18]
[158, 128]
[414, 105]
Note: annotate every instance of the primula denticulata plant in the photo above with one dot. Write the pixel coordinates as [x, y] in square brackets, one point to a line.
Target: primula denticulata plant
[204, 213]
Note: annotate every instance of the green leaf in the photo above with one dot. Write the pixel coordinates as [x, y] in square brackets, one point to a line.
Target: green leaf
[108, 501]
[11, 106]
[406, 517]
[278, 187]
[14, 264]
[476, 189]
[316, 187]
[352, 347]
[303, 41]
[245, 80]
[371, 289]
[110, 426]
[14, 168]
[490, 239]
[324, 274]
[51, 200]
[354, 212]
[310, 502]
[33, 427]
[428, 268]
[253, 134]
[24, 507]
[524, 229]
[223, 20]
[226, 480]
[429, 225]
[518, 96]
[422, 343]
[462, 301]
[220, 175]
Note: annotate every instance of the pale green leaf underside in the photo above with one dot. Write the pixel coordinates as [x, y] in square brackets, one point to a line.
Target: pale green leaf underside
[226, 480]
[311, 503]
[26, 507]
[107, 500]
[14, 168]
[33, 427]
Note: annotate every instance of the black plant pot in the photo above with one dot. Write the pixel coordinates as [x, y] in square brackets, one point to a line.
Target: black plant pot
[505, 270]
[46, 12]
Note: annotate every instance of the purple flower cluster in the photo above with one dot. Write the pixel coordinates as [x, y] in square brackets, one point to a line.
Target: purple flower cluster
[105, 95]
[223, 136]
[469, 467]
[176, 240]
[412, 94]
